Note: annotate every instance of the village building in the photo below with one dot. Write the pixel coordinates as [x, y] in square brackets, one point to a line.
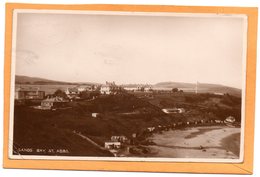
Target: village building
[140, 88]
[91, 88]
[148, 89]
[29, 94]
[112, 145]
[84, 88]
[110, 88]
[72, 92]
[75, 92]
[151, 129]
[134, 135]
[173, 110]
[105, 89]
[95, 115]
[218, 121]
[130, 89]
[54, 102]
[81, 89]
[218, 93]
[230, 119]
[119, 139]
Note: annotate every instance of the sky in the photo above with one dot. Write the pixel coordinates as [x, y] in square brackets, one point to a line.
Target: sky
[130, 48]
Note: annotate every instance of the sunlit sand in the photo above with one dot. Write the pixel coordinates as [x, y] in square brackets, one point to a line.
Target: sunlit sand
[198, 142]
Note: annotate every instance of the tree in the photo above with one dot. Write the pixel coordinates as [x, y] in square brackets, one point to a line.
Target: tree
[94, 94]
[93, 87]
[84, 95]
[60, 93]
[175, 90]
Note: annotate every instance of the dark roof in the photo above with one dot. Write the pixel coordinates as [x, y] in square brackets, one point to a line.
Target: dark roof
[54, 99]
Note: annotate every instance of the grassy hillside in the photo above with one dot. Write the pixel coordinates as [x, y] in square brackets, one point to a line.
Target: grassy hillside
[47, 130]
[36, 80]
[122, 114]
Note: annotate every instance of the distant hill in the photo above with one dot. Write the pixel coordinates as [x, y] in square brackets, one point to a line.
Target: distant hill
[36, 80]
[41, 81]
[202, 87]
[174, 85]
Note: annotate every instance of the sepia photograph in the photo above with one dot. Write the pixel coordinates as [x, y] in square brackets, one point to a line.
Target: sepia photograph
[127, 86]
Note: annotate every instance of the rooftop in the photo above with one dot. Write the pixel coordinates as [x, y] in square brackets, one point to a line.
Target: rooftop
[55, 99]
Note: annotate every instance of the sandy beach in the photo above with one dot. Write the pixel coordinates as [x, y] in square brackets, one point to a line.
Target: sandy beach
[197, 142]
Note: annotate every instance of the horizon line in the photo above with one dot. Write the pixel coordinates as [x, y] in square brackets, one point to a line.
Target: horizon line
[78, 82]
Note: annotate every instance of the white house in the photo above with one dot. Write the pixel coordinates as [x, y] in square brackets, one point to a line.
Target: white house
[148, 89]
[82, 89]
[151, 129]
[173, 110]
[95, 114]
[105, 89]
[110, 88]
[119, 138]
[131, 88]
[50, 103]
[72, 92]
[112, 145]
[218, 121]
[230, 119]
[86, 88]
[218, 93]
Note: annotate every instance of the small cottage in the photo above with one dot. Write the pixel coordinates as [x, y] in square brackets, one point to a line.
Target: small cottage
[54, 102]
[112, 145]
[95, 115]
[119, 139]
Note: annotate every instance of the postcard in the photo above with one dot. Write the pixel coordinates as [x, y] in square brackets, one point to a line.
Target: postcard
[121, 84]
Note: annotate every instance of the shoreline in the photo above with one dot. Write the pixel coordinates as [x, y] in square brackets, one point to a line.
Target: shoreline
[193, 142]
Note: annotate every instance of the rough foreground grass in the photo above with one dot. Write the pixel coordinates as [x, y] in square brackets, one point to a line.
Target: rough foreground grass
[47, 130]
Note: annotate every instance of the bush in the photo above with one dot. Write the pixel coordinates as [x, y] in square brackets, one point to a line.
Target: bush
[60, 93]
[175, 90]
